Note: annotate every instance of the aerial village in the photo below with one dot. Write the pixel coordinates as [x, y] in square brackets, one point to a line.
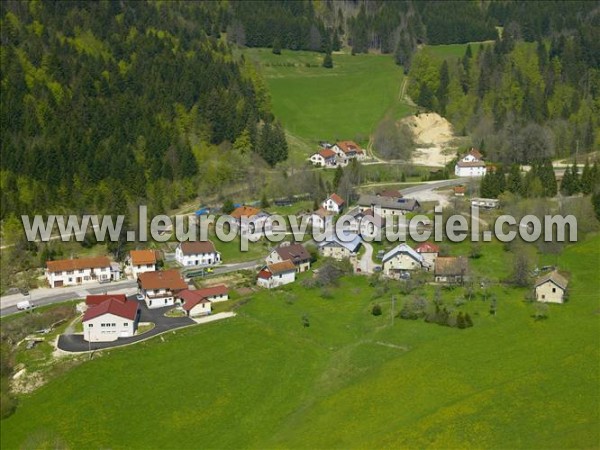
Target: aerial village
[167, 297]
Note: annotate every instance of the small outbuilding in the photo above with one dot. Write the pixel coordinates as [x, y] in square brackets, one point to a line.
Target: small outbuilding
[551, 288]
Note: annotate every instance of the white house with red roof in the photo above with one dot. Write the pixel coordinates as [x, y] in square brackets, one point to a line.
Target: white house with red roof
[110, 319]
[70, 272]
[348, 150]
[198, 302]
[334, 203]
[277, 274]
[160, 288]
[141, 261]
[326, 158]
[197, 253]
[429, 252]
[470, 165]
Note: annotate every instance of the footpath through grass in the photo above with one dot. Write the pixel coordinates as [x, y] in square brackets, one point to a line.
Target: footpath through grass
[350, 379]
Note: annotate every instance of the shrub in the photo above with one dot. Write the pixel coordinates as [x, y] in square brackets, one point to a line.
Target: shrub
[376, 311]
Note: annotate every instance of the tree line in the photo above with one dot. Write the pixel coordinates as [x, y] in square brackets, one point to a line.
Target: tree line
[99, 98]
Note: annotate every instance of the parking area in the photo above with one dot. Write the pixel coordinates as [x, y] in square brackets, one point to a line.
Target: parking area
[75, 343]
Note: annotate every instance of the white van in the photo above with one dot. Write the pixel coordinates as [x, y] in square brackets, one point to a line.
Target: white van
[24, 305]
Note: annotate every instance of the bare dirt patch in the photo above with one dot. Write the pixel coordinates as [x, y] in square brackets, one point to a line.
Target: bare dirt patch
[434, 138]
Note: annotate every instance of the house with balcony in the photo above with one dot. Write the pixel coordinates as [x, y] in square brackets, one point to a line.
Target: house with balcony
[160, 288]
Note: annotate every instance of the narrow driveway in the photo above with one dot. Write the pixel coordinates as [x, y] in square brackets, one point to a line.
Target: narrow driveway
[75, 342]
[366, 261]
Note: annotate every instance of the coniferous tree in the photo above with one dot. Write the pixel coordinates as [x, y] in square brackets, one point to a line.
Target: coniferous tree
[425, 96]
[442, 91]
[328, 61]
[277, 46]
[515, 181]
[587, 178]
[336, 44]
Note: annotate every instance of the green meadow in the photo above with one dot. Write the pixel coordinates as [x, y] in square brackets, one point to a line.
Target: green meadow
[349, 380]
[315, 103]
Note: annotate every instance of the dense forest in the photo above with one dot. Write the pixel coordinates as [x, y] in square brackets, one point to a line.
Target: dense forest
[105, 101]
[521, 101]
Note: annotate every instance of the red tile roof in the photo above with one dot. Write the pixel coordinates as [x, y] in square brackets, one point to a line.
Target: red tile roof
[219, 289]
[337, 199]
[244, 211]
[167, 279]
[127, 309]
[77, 264]
[394, 193]
[327, 153]
[427, 247]
[93, 300]
[470, 164]
[475, 153]
[349, 146]
[141, 257]
[191, 298]
[197, 247]
[460, 189]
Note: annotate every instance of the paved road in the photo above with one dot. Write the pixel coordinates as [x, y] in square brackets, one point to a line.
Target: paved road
[76, 343]
[48, 296]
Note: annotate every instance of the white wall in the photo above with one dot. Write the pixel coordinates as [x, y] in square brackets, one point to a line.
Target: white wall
[75, 277]
[101, 329]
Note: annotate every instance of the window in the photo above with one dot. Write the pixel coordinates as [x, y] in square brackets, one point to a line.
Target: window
[91, 325]
[70, 272]
[553, 290]
[125, 324]
[114, 324]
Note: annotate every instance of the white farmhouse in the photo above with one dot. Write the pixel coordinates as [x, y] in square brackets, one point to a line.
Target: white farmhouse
[334, 203]
[141, 261]
[197, 253]
[70, 272]
[326, 158]
[348, 150]
[470, 165]
[400, 259]
[551, 288]
[160, 288]
[277, 274]
[110, 320]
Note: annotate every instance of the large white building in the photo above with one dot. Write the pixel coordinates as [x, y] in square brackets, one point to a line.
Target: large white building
[197, 253]
[70, 272]
[160, 288]
[110, 319]
[470, 165]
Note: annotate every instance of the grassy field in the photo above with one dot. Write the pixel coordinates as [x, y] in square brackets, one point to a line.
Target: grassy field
[263, 380]
[315, 103]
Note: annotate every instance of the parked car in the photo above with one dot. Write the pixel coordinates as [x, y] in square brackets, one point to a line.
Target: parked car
[25, 304]
[139, 297]
[377, 269]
